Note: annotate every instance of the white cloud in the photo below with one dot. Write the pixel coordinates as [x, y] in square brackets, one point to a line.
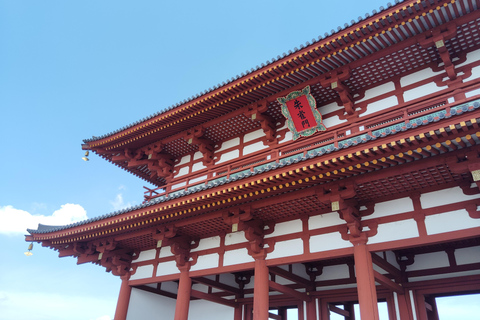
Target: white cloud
[118, 203]
[14, 221]
[42, 305]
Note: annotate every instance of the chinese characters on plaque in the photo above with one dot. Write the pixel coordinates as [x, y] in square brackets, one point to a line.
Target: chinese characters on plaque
[303, 118]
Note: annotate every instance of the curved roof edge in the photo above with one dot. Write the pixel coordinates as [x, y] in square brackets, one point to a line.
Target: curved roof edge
[247, 72]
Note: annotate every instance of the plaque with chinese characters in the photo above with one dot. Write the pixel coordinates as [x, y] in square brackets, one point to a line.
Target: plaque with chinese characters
[300, 109]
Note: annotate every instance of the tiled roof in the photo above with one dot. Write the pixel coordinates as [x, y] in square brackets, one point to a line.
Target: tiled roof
[246, 73]
[344, 144]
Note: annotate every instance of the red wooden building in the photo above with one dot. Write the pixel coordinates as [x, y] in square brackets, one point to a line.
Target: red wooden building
[264, 205]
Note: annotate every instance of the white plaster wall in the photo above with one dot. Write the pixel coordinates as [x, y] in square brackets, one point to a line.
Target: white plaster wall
[421, 91]
[475, 74]
[329, 108]
[146, 255]
[206, 310]
[253, 135]
[299, 269]
[228, 279]
[380, 105]
[234, 238]
[286, 228]
[183, 171]
[467, 255]
[283, 281]
[324, 220]
[146, 305]
[184, 160]
[388, 208]
[254, 147]
[200, 287]
[328, 241]
[450, 221]
[201, 178]
[229, 144]
[238, 256]
[472, 93]
[442, 276]
[417, 76]
[429, 261]
[471, 57]
[286, 249]
[197, 166]
[206, 262]
[397, 230]
[229, 156]
[334, 272]
[179, 185]
[288, 137]
[442, 197]
[166, 268]
[332, 121]
[208, 243]
[165, 252]
[379, 90]
[143, 272]
[197, 155]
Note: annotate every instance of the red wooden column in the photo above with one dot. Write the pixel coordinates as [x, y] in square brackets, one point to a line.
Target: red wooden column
[123, 298]
[238, 313]
[311, 307]
[183, 294]
[367, 293]
[261, 287]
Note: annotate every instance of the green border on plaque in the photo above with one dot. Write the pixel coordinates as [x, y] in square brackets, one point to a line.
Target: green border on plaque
[313, 106]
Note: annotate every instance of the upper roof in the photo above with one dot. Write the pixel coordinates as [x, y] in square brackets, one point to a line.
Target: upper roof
[375, 49]
[369, 48]
[248, 73]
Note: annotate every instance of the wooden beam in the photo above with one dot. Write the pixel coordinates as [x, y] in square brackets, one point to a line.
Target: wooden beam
[387, 266]
[274, 316]
[380, 278]
[157, 291]
[213, 298]
[217, 285]
[291, 276]
[339, 311]
[289, 291]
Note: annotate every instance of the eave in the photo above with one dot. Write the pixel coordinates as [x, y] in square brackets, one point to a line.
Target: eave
[400, 154]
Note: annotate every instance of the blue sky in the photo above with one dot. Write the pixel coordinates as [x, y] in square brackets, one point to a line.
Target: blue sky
[73, 69]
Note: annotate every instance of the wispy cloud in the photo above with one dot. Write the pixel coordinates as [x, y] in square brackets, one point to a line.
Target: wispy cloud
[16, 221]
[118, 203]
[24, 305]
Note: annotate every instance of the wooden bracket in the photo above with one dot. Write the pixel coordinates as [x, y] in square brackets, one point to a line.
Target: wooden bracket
[257, 112]
[334, 80]
[197, 137]
[437, 37]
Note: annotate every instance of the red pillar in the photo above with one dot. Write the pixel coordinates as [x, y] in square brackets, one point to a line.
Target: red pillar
[367, 294]
[404, 306]
[123, 299]
[238, 313]
[183, 294]
[311, 309]
[261, 289]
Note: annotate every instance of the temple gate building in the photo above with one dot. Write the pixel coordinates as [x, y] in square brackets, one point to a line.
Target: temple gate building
[344, 173]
